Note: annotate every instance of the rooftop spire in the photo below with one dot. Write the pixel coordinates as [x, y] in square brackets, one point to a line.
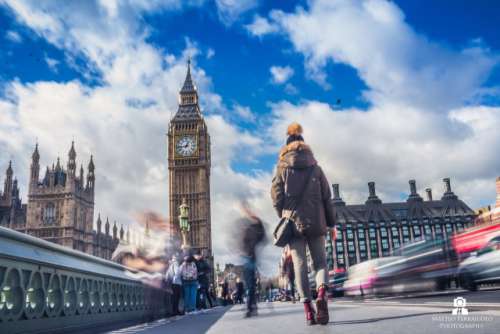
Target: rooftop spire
[189, 86]
[9, 169]
[36, 155]
[72, 152]
[188, 99]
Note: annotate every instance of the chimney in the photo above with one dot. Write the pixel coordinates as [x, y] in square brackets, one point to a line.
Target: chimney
[337, 200]
[413, 187]
[371, 189]
[414, 196]
[372, 198]
[447, 184]
[336, 193]
[448, 194]
[429, 194]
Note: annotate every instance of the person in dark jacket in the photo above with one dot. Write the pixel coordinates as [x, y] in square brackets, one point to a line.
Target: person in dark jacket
[203, 297]
[252, 234]
[225, 292]
[296, 170]
[240, 291]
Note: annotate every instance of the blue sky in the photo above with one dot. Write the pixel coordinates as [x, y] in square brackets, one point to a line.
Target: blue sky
[386, 91]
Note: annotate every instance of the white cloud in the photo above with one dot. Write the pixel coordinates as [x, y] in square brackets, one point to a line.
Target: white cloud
[281, 74]
[291, 89]
[52, 63]
[210, 53]
[245, 113]
[261, 26]
[394, 61]
[13, 36]
[231, 10]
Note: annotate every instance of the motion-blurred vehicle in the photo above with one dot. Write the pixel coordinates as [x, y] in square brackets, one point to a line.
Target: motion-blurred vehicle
[336, 280]
[362, 277]
[425, 265]
[474, 238]
[481, 267]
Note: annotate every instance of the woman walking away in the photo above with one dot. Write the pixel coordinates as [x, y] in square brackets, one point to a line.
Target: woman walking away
[189, 276]
[173, 276]
[298, 174]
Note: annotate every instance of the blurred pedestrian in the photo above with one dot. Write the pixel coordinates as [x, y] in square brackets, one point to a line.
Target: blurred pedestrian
[225, 292]
[174, 277]
[300, 191]
[203, 298]
[189, 275]
[253, 234]
[240, 291]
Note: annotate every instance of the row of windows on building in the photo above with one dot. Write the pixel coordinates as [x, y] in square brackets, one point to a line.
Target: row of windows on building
[356, 243]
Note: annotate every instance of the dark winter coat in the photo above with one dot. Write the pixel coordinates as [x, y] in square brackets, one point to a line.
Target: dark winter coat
[253, 234]
[203, 272]
[315, 212]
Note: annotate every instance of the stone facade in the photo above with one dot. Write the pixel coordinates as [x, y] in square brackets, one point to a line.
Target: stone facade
[12, 211]
[374, 229]
[189, 169]
[60, 207]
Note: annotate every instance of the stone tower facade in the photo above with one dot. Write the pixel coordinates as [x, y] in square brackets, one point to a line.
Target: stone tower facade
[189, 168]
[61, 207]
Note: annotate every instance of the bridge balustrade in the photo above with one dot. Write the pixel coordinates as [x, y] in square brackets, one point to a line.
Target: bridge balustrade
[45, 287]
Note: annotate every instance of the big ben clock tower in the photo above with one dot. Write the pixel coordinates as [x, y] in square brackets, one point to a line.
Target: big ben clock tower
[189, 169]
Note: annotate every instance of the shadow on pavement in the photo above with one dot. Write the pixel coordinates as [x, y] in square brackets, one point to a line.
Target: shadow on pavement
[362, 321]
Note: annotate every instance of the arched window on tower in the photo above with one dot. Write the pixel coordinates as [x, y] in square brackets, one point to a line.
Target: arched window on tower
[49, 214]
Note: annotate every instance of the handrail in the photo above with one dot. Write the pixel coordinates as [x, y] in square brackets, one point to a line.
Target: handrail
[45, 287]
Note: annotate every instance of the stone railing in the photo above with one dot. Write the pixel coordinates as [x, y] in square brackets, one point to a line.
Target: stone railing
[45, 287]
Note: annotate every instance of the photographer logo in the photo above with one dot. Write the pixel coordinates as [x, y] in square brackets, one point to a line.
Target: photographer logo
[459, 304]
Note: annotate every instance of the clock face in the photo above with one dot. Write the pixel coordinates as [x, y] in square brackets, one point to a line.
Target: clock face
[186, 146]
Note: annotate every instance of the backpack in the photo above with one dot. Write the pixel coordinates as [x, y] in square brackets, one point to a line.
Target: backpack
[189, 272]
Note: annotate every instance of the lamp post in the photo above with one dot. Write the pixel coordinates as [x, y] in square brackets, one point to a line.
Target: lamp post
[184, 223]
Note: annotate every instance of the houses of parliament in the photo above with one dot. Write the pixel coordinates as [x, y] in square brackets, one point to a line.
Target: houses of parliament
[60, 207]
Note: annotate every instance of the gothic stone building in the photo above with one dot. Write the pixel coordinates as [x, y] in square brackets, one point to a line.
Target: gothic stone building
[374, 229]
[60, 207]
[12, 211]
[189, 169]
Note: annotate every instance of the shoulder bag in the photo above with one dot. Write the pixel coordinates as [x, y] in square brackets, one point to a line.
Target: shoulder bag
[284, 232]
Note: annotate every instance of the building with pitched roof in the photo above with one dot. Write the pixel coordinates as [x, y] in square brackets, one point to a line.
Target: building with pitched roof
[374, 229]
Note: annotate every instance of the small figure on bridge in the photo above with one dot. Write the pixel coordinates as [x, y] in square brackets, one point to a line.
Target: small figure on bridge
[203, 298]
[189, 275]
[173, 276]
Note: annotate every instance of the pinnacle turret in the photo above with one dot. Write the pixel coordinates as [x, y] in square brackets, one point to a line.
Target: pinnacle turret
[72, 159]
[36, 155]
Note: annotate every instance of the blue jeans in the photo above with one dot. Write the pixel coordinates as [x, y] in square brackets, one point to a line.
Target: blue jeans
[249, 268]
[190, 288]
